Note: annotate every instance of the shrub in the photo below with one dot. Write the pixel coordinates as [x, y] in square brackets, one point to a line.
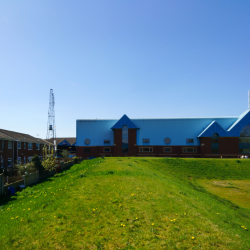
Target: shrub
[76, 160]
[37, 163]
[48, 158]
[65, 153]
[25, 168]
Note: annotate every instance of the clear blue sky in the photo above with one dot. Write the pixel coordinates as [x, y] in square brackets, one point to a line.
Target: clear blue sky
[103, 59]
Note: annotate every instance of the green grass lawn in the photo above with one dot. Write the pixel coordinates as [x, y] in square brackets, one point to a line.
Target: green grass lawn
[130, 203]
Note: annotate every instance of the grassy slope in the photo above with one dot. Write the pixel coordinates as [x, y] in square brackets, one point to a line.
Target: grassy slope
[141, 203]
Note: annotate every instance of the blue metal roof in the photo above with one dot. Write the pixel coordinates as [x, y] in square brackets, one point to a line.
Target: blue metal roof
[178, 130]
[242, 121]
[64, 143]
[96, 131]
[124, 121]
[212, 128]
[156, 130]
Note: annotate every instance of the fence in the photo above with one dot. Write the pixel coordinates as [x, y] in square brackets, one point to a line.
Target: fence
[12, 179]
[28, 179]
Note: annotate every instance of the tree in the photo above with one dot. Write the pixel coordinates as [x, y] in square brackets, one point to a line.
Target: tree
[65, 153]
[37, 163]
[49, 158]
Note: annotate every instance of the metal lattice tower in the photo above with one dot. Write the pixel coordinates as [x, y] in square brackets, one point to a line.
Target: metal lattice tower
[51, 129]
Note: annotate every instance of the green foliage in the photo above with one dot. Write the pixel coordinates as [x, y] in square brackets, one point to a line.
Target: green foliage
[76, 160]
[49, 159]
[65, 153]
[27, 168]
[37, 163]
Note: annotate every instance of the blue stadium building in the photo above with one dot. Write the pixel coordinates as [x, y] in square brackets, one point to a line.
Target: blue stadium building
[170, 137]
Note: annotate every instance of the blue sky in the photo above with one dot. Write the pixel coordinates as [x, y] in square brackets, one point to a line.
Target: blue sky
[103, 59]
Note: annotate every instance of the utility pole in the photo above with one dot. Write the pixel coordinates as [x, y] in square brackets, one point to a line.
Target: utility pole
[51, 128]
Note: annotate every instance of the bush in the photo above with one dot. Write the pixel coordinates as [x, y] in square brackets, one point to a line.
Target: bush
[26, 169]
[76, 160]
[48, 158]
[37, 163]
[65, 153]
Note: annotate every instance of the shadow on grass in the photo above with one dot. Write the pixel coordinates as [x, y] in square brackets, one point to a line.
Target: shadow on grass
[5, 199]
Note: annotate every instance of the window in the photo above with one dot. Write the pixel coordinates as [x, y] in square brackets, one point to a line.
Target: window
[18, 160]
[189, 150]
[9, 162]
[1, 162]
[30, 158]
[19, 145]
[29, 146]
[167, 150]
[86, 150]
[215, 143]
[9, 144]
[37, 146]
[146, 150]
[244, 140]
[107, 149]
[106, 141]
[145, 140]
[2, 144]
[24, 160]
[189, 140]
[125, 139]
[24, 145]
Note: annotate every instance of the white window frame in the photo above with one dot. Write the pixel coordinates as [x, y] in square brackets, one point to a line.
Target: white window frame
[29, 143]
[9, 144]
[107, 148]
[30, 158]
[19, 160]
[164, 150]
[150, 150]
[37, 148]
[19, 145]
[9, 160]
[184, 150]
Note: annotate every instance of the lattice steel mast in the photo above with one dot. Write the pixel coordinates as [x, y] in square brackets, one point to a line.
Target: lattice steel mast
[51, 129]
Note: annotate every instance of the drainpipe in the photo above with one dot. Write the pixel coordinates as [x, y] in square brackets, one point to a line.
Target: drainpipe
[13, 155]
[16, 150]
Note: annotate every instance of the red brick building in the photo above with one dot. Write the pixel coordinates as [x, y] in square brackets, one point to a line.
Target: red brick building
[18, 147]
[168, 137]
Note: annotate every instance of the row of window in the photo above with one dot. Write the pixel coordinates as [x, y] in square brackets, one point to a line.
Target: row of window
[167, 140]
[150, 149]
[146, 140]
[168, 149]
[18, 161]
[87, 150]
[30, 145]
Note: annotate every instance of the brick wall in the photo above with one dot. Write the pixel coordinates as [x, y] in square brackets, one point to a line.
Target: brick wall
[228, 147]
[13, 153]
